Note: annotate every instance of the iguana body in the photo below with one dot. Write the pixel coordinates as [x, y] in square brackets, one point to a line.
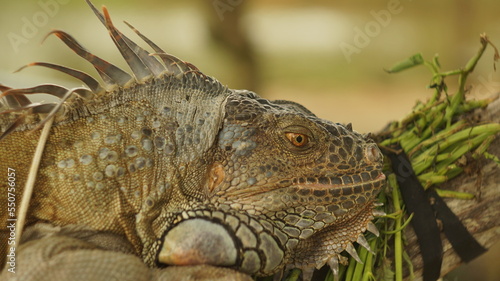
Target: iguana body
[169, 167]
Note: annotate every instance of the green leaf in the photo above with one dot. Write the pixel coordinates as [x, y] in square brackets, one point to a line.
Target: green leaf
[410, 62]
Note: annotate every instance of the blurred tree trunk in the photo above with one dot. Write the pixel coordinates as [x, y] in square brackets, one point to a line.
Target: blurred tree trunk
[225, 21]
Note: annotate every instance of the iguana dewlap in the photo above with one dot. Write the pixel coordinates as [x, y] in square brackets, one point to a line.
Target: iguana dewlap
[166, 174]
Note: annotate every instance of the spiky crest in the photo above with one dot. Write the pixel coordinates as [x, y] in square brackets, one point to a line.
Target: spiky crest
[145, 67]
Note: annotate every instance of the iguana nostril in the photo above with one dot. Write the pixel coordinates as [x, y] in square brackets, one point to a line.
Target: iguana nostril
[372, 153]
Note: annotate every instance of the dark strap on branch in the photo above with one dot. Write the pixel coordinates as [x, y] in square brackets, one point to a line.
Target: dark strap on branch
[424, 221]
[464, 244]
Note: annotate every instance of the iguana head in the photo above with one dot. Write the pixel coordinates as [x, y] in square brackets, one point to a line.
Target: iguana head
[292, 189]
[277, 156]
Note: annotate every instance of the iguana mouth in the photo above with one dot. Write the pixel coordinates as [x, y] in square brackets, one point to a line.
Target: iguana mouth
[345, 190]
[345, 182]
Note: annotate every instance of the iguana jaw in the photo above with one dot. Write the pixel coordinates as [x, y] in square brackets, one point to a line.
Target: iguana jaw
[263, 246]
[326, 246]
[346, 224]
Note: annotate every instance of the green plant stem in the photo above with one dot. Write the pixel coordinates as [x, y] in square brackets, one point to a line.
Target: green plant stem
[454, 194]
[402, 226]
[491, 157]
[439, 136]
[459, 97]
[426, 159]
[368, 273]
[398, 242]
[350, 270]
[294, 275]
[360, 267]
[481, 149]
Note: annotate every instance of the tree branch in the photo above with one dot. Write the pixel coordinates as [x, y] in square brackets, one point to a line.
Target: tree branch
[481, 216]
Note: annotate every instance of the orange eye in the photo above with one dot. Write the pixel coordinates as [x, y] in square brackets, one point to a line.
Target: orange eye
[298, 140]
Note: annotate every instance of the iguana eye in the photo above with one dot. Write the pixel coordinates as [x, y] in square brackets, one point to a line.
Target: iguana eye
[298, 140]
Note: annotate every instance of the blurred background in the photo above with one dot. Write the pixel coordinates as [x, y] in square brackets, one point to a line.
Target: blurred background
[327, 55]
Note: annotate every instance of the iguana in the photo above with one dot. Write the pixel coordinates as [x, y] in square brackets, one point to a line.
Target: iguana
[166, 174]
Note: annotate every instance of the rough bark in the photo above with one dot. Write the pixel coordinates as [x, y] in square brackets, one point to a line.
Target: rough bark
[481, 215]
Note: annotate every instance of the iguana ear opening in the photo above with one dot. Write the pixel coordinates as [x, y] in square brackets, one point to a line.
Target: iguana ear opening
[216, 175]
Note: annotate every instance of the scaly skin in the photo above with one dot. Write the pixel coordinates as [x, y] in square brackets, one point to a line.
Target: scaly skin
[176, 169]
